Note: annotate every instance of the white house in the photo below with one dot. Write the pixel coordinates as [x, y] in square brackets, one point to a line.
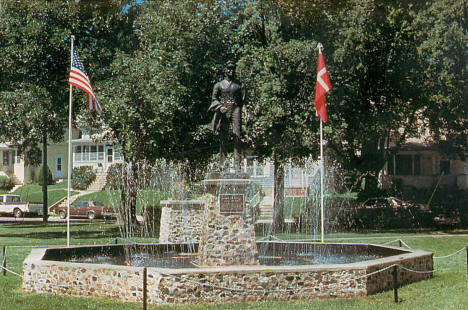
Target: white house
[87, 151]
[422, 165]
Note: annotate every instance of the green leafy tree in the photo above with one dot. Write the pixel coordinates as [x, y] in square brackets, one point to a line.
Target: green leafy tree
[377, 94]
[158, 93]
[279, 69]
[442, 47]
[34, 64]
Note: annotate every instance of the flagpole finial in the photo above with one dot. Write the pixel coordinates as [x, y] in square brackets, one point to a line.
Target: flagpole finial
[320, 47]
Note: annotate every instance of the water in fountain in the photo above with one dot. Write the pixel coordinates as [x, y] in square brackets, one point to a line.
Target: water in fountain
[302, 213]
[136, 191]
[145, 185]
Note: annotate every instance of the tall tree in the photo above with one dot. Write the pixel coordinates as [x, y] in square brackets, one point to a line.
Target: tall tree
[278, 66]
[375, 70]
[442, 48]
[34, 64]
[158, 93]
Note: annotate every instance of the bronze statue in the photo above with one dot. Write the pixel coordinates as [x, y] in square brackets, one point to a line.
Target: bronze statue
[226, 103]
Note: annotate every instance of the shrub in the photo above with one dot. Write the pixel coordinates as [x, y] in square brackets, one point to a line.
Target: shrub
[5, 183]
[152, 219]
[114, 176]
[40, 178]
[82, 177]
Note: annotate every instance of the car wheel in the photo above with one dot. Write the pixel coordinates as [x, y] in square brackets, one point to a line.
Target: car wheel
[91, 215]
[18, 213]
[62, 214]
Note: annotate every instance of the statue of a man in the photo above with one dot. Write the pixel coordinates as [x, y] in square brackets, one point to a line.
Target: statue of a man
[226, 103]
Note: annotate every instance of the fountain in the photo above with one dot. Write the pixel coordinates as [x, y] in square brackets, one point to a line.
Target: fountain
[208, 252]
[215, 258]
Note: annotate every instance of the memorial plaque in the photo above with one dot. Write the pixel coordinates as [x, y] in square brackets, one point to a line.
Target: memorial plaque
[231, 204]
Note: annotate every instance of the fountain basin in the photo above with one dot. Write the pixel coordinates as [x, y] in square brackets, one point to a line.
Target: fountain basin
[57, 270]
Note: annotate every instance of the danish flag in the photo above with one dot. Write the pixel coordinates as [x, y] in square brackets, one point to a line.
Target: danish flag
[322, 86]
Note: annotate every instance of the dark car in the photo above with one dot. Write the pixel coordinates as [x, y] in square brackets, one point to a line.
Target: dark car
[390, 213]
[393, 203]
[90, 209]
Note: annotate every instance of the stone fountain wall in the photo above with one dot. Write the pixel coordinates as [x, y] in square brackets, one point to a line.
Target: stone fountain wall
[225, 239]
[181, 221]
[220, 284]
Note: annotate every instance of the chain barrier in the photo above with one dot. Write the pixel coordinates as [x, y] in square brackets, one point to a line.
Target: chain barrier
[415, 271]
[11, 271]
[266, 290]
[235, 289]
[449, 255]
[390, 242]
[4, 255]
[405, 244]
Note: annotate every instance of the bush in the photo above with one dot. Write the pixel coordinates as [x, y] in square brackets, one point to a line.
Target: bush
[152, 219]
[82, 177]
[5, 183]
[114, 177]
[388, 218]
[40, 178]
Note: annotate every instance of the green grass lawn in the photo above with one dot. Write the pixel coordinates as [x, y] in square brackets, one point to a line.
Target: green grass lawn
[447, 290]
[33, 192]
[144, 198]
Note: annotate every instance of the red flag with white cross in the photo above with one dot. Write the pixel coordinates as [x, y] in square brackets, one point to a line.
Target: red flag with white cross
[322, 86]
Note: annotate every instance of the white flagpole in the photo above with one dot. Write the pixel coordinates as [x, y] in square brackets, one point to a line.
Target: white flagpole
[322, 216]
[70, 165]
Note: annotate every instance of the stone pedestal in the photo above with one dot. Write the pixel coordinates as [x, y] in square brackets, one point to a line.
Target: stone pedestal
[228, 234]
[181, 221]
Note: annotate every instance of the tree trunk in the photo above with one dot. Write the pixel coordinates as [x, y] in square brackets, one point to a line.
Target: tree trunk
[128, 195]
[133, 193]
[45, 178]
[278, 193]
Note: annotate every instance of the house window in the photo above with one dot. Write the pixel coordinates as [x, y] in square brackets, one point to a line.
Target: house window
[405, 165]
[18, 157]
[416, 165]
[93, 153]
[445, 167]
[6, 154]
[59, 163]
[78, 156]
[101, 152]
[85, 153]
[117, 154]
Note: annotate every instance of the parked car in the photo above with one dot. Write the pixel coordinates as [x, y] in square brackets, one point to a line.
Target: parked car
[90, 209]
[391, 213]
[393, 203]
[13, 206]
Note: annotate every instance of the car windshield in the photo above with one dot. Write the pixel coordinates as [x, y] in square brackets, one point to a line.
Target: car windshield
[13, 199]
[80, 204]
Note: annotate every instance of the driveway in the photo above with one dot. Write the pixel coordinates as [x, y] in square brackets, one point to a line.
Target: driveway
[51, 220]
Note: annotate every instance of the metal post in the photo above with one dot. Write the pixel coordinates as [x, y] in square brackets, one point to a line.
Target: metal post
[4, 260]
[70, 150]
[400, 243]
[322, 169]
[116, 240]
[395, 283]
[145, 275]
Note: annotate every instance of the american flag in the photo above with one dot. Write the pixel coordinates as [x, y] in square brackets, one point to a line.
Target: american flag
[79, 78]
